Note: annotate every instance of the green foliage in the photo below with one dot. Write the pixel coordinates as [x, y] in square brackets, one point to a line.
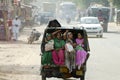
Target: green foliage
[27, 1]
[116, 3]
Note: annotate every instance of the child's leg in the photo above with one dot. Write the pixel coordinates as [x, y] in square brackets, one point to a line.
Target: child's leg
[67, 60]
[44, 59]
[78, 58]
[87, 56]
[73, 59]
[83, 54]
[61, 57]
[55, 57]
[49, 58]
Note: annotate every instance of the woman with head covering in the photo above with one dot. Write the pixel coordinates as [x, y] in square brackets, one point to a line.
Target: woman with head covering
[70, 52]
[58, 52]
[80, 52]
[47, 54]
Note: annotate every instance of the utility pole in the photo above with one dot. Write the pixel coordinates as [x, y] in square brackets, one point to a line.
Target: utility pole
[111, 9]
[111, 12]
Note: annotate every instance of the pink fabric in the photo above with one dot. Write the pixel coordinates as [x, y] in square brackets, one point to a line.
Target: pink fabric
[80, 41]
[80, 57]
[80, 54]
[58, 57]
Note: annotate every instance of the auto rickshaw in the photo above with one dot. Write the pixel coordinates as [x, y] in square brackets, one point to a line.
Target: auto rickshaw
[62, 71]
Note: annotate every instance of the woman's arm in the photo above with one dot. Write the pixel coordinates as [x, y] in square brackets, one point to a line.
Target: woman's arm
[65, 34]
[56, 32]
[53, 34]
[46, 40]
[74, 45]
[82, 42]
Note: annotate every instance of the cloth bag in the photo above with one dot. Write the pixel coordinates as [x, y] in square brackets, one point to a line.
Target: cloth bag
[69, 47]
[49, 46]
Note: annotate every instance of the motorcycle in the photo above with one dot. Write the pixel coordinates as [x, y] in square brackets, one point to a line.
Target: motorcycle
[34, 36]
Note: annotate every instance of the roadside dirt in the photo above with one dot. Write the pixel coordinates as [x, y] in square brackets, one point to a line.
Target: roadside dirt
[19, 60]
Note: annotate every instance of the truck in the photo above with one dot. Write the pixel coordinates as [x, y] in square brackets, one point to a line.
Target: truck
[49, 7]
[102, 13]
[67, 9]
[48, 12]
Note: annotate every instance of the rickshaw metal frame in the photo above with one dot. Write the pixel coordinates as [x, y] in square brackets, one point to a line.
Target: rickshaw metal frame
[56, 71]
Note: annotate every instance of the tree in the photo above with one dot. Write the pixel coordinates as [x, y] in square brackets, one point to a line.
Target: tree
[116, 3]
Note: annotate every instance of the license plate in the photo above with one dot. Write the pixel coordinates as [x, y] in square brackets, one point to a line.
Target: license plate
[79, 73]
[63, 70]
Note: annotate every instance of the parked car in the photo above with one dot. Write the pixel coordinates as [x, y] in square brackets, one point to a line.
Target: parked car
[44, 17]
[92, 26]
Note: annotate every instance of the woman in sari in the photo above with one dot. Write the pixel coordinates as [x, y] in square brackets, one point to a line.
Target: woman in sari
[58, 52]
[70, 52]
[81, 53]
[47, 54]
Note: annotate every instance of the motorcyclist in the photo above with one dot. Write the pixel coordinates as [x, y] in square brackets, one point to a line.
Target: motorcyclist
[100, 16]
[36, 34]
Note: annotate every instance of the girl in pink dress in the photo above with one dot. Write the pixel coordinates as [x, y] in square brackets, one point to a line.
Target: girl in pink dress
[80, 52]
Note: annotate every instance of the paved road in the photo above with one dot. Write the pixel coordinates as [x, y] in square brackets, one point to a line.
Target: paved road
[103, 63]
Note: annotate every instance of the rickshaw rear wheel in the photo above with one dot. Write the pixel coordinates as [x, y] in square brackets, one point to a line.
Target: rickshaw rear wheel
[97, 36]
[82, 77]
[101, 36]
[43, 77]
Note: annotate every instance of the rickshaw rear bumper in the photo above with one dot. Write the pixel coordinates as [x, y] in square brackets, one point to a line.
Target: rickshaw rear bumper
[62, 72]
